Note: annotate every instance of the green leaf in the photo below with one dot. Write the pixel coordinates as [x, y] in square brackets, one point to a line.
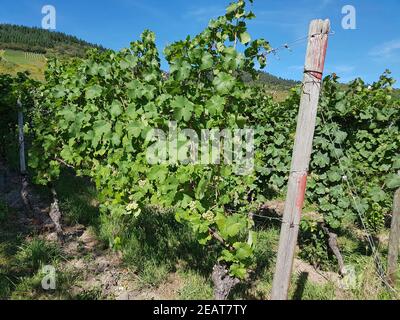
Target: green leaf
[227, 256]
[200, 190]
[131, 112]
[203, 238]
[116, 108]
[157, 173]
[232, 7]
[334, 176]
[206, 61]
[183, 108]
[377, 194]
[233, 229]
[93, 92]
[230, 226]
[134, 129]
[243, 250]
[59, 91]
[341, 106]
[181, 70]
[116, 140]
[186, 200]
[340, 136]
[215, 105]
[393, 181]
[244, 38]
[396, 163]
[223, 83]
[68, 114]
[238, 270]
[321, 160]
[100, 128]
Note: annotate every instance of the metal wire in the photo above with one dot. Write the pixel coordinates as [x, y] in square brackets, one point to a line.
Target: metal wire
[260, 216]
[353, 193]
[288, 46]
[267, 217]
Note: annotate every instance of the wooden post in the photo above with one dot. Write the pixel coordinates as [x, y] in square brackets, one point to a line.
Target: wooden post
[22, 162]
[394, 240]
[21, 139]
[313, 70]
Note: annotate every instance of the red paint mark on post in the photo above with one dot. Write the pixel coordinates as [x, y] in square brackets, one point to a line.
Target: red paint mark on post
[319, 54]
[302, 183]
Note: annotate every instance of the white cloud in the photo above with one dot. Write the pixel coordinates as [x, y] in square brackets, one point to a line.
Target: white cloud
[387, 50]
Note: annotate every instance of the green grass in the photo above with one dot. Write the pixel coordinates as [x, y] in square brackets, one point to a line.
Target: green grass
[37, 252]
[155, 245]
[30, 287]
[302, 289]
[151, 273]
[21, 263]
[10, 240]
[195, 287]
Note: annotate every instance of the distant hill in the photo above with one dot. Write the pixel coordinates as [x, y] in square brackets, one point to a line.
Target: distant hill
[275, 86]
[273, 82]
[36, 40]
[27, 49]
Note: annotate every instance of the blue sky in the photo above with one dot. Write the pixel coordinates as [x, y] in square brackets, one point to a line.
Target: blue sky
[364, 52]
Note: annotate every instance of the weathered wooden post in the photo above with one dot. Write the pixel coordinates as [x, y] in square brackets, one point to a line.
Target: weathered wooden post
[394, 240]
[313, 70]
[21, 140]
[22, 160]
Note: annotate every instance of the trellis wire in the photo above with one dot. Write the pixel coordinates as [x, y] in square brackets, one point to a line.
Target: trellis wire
[292, 44]
[353, 193]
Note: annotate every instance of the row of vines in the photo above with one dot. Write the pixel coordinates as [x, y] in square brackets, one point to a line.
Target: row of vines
[94, 114]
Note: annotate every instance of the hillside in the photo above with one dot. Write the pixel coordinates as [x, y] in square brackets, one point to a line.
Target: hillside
[27, 49]
[14, 61]
[36, 40]
[273, 82]
[275, 86]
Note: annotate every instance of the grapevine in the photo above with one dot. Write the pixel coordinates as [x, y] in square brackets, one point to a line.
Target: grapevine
[95, 115]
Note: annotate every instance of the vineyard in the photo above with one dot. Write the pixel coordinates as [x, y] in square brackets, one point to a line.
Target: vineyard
[88, 128]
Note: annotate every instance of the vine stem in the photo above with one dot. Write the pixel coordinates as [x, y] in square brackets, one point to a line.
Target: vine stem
[64, 163]
[218, 237]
